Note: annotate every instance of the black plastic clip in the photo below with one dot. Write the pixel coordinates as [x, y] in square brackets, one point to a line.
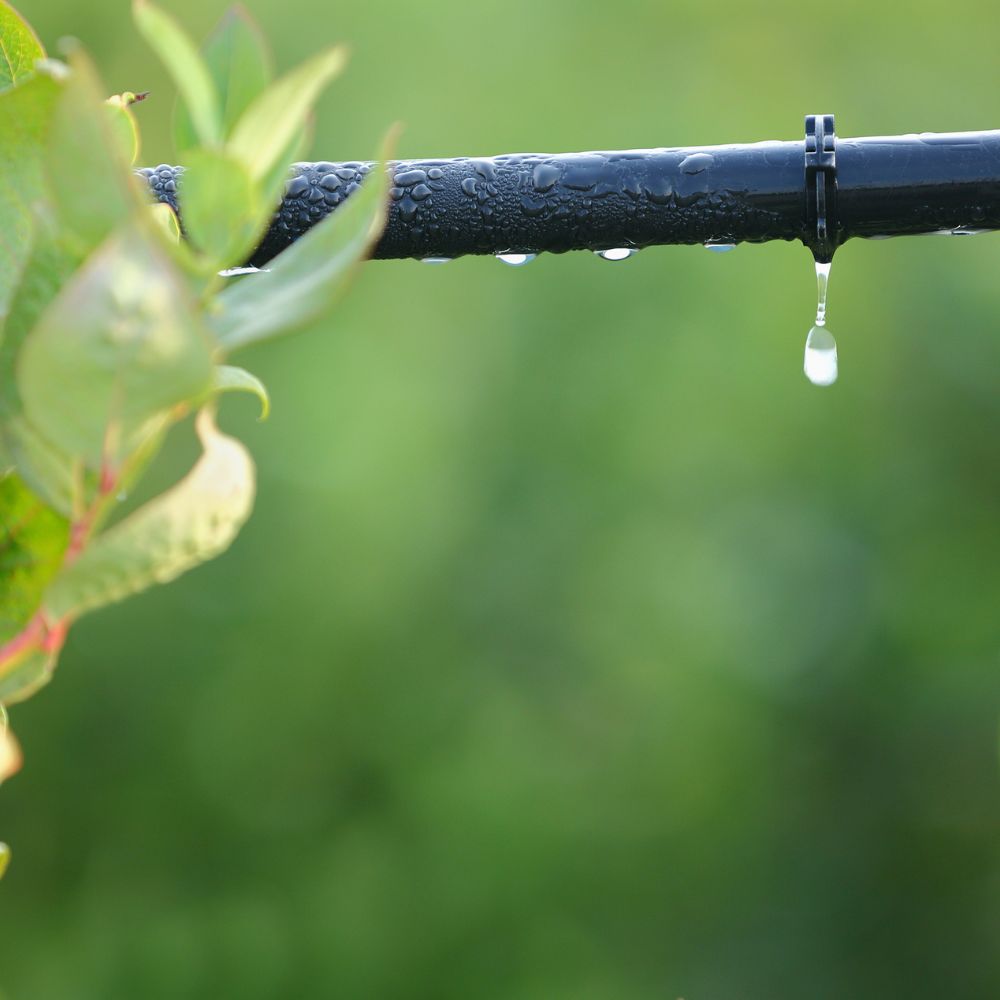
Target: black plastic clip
[821, 184]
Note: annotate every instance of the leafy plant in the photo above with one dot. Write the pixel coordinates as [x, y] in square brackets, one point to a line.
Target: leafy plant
[113, 329]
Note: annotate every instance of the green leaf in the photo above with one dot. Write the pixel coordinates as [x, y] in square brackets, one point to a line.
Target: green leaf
[231, 379]
[120, 345]
[19, 46]
[33, 539]
[4, 858]
[223, 209]
[267, 127]
[239, 63]
[302, 282]
[25, 117]
[186, 67]
[189, 524]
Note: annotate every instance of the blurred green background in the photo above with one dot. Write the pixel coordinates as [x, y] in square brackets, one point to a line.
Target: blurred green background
[578, 647]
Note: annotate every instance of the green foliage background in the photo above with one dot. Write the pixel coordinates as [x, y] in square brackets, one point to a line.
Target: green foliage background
[577, 647]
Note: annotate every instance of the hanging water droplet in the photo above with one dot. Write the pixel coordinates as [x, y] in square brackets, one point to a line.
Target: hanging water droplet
[617, 253]
[718, 246]
[516, 259]
[820, 362]
[435, 260]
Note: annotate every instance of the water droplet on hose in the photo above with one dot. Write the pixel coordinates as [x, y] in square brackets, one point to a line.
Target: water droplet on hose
[617, 253]
[234, 272]
[435, 260]
[516, 259]
[719, 247]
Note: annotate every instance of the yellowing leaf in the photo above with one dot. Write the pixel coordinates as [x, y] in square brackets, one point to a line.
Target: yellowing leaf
[189, 524]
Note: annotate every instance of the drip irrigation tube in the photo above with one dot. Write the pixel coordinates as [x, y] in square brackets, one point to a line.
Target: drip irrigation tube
[820, 190]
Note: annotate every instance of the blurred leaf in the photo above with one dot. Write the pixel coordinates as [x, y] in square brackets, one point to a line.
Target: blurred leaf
[267, 127]
[302, 282]
[231, 379]
[189, 524]
[223, 210]
[186, 67]
[25, 115]
[4, 858]
[124, 126]
[46, 471]
[99, 192]
[120, 345]
[19, 46]
[239, 63]
[33, 539]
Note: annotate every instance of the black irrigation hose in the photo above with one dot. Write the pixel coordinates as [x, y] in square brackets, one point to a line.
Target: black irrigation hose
[534, 202]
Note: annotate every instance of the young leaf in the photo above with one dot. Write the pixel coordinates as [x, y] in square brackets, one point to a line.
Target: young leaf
[223, 210]
[186, 67]
[189, 524]
[303, 281]
[120, 345]
[231, 379]
[19, 46]
[272, 121]
[239, 63]
[124, 127]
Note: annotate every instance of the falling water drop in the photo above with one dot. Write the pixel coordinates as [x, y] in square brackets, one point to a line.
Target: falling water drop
[516, 259]
[719, 246]
[617, 253]
[820, 361]
[435, 260]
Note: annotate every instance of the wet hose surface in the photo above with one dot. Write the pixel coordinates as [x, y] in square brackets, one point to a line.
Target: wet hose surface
[538, 202]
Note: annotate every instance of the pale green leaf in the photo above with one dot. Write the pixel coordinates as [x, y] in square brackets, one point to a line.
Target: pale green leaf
[120, 345]
[19, 46]
[186, 67]
[192, 522]
[264, 131]
[4, 858]
[23, 674]
[231, 379]
[302, 282]
[223, 209]
[81, 134]
[239, 63]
